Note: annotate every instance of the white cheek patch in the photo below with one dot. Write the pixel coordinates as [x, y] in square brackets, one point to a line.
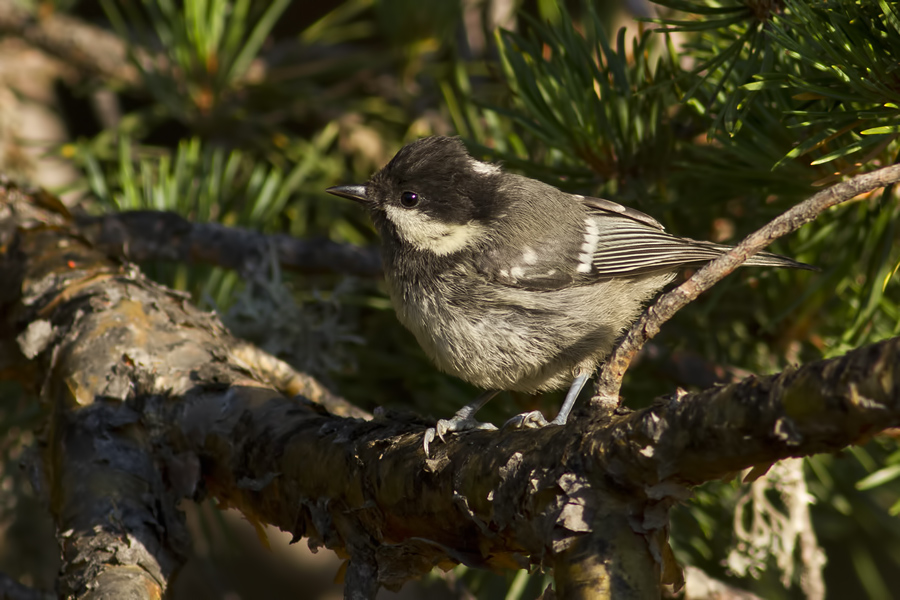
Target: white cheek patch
[483, 168]
[589, 246]
[425, 233]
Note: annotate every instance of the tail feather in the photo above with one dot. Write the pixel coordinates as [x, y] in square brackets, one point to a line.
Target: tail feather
[634, 249]
[762, 259]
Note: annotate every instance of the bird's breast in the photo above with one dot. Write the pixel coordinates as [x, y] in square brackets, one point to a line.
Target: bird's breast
[499, 337]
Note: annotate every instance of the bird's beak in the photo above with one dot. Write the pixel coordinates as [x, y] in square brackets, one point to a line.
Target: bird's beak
[351, 192]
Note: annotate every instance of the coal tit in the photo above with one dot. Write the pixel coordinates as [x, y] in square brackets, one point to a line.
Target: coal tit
[510, 283]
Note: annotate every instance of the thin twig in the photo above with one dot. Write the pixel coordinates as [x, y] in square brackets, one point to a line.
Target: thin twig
[609, 381]
[292, 382]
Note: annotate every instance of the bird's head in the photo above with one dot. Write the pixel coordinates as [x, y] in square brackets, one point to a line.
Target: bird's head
[432, 196]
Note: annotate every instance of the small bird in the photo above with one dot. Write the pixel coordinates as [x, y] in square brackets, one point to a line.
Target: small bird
[509, 283]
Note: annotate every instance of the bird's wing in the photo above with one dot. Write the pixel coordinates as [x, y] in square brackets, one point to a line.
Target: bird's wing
[602, 205]
[612, 241]
[638, 245]
[575, 253]
[626, 248]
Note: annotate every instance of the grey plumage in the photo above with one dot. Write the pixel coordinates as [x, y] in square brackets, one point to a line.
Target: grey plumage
[507, 282]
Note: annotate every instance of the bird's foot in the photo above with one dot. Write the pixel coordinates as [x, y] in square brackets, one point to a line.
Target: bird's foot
[457, 424]
[529, 420]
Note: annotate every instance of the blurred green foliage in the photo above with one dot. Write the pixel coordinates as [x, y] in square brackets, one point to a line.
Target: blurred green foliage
[714, 116]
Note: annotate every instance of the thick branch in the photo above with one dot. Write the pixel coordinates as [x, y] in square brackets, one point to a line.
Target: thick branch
[120, 531]
[152, 235]
[609, 380]
[819, 407]
[126, 360]
[122, 535]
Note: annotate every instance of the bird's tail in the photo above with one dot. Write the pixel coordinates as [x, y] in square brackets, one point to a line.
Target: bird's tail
[631, 248]
[760, 259]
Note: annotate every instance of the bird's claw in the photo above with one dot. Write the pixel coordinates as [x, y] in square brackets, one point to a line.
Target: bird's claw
[529, 420]
[454, 425]
[428, 438]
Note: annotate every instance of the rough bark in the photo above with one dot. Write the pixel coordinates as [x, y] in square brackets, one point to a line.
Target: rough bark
[150, 402]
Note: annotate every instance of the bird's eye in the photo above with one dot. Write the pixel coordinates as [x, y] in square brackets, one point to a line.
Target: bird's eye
[409, 199]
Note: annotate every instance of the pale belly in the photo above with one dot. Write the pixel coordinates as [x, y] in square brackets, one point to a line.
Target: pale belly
[510, 339]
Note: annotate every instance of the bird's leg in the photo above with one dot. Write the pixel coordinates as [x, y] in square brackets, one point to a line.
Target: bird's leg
[571, 396]
[463, 420]
[535, 420]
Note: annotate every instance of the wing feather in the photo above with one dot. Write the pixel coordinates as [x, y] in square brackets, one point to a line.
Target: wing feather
[614, 241]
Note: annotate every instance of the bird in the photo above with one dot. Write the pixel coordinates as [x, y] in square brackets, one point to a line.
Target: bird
[510, 283]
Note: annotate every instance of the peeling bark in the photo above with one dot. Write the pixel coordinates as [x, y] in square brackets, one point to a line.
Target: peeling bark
[150, 402]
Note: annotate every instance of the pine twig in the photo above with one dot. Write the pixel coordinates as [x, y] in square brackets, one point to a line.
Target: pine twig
[609, 381]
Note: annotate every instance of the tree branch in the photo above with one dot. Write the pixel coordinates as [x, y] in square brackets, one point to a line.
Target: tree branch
[156, 235]
[609, 380]
[290, 382]
[136, 376]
